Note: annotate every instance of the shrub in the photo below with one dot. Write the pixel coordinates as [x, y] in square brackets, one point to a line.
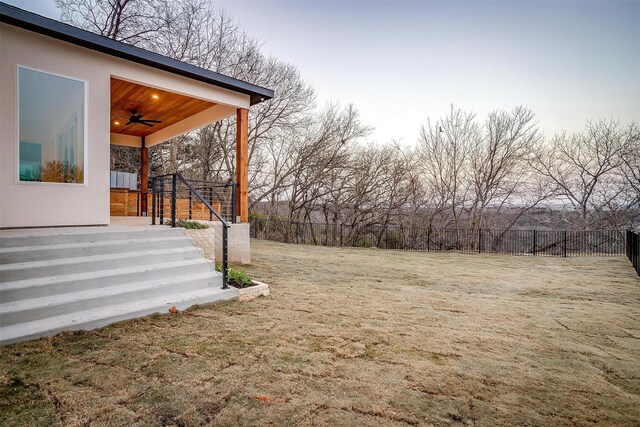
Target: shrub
[191, 225]
[239, 279]
[363, 242]
[257, 215]
[236, 278]
[392, 239]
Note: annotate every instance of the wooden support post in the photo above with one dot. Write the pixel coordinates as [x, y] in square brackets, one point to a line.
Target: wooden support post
[144, 177]
[242, 164]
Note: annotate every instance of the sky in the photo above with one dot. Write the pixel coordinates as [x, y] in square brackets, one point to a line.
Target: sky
[401, 62]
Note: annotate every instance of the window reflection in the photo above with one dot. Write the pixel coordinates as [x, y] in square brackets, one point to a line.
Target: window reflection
[51, 132]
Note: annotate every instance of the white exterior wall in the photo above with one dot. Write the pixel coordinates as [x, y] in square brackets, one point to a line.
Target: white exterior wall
[25, 204]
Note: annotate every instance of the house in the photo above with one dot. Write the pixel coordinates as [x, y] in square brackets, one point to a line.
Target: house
[65, 95]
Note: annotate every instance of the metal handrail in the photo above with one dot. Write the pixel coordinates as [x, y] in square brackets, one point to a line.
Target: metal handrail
[196, 193]
[209, 185]
[202, 199]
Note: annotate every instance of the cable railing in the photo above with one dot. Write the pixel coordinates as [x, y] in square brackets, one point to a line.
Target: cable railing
[554, 243]
[204, 209]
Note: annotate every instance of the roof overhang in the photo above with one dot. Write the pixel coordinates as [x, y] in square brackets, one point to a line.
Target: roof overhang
[49, 27]
[176, 113]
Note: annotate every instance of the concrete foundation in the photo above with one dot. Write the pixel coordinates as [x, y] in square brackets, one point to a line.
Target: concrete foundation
[238, 243]
[208, 239]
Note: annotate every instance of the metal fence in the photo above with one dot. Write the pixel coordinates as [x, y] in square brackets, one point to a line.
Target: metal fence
[563, 243]
[633, 249]
[175, 199]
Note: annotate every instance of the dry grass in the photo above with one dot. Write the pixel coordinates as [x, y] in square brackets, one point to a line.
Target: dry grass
[357, 337]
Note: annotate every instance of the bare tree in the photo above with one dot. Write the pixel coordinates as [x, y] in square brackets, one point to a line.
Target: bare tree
[583, 167]
[479, 176]
[324, 146]
[130, 21]
[631, 165]
[445, 147]
[500, 169]
[126, 159]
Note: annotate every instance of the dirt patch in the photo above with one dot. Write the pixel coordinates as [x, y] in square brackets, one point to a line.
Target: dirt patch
[357, 337]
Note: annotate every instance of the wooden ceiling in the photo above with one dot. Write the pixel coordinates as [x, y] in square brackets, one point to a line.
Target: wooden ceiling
[153, 103]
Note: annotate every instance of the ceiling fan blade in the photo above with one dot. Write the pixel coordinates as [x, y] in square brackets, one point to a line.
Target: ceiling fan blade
[128, 123]
[145, 123]
[153, 121]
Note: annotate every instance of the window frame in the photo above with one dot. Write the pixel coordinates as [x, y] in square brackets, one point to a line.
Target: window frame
[85, 133]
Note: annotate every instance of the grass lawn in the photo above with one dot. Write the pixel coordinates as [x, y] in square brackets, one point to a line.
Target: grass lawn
[357, 337]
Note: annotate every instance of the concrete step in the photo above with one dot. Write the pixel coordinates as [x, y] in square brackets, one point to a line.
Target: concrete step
[98, 317]
[61, 266]
[17, 238]
[57, 305]
[56, 285]
[82, 278]
[20, 254]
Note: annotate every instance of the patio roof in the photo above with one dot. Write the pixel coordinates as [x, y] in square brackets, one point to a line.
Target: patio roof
[155, 104]
[33, 22]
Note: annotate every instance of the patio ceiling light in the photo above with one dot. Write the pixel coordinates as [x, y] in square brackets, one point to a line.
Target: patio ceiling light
[116, 123]
[155, 96]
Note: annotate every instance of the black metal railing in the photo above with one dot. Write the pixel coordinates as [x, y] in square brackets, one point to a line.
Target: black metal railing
[557, 243]
[175, 199]
[221, 196]
[633, 249]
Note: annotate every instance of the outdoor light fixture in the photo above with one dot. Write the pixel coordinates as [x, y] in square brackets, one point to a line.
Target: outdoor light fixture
[155, 96]
[116, 123]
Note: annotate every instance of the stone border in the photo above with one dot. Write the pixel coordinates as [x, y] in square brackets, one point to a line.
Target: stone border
[252, 292]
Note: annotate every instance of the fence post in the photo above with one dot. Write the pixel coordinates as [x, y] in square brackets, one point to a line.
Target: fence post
[479, 240]
[535, 242]
[633, 248]
[225, 257]
[211, 203]
[161, 198]
[334, 232]
[173, 200]
[233, 203]
[153, 201]
[341, 242]
[565, 243]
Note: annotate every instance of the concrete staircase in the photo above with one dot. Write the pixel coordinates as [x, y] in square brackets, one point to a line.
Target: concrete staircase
[83, 278]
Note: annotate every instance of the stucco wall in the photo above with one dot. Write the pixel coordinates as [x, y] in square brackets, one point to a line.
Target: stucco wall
[38, 204]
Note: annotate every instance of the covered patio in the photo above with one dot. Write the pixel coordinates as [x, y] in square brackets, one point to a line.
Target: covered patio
[143, 116]
[79, 93]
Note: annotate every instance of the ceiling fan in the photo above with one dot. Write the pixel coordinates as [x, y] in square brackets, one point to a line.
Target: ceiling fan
[138, 118]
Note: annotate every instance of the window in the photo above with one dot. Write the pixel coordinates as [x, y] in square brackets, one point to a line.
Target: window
[51, 127]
